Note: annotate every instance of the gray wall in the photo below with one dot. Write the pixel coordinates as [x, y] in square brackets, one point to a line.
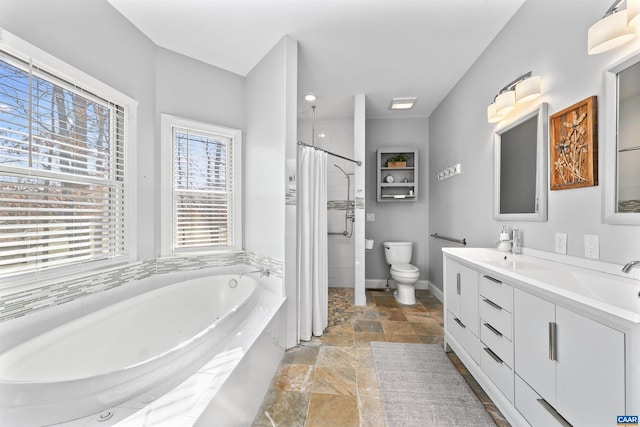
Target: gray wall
[94, 38]
[550, 39]
[397, 221]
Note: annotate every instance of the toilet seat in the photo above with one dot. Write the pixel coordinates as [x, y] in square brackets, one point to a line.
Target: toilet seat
[405, 270]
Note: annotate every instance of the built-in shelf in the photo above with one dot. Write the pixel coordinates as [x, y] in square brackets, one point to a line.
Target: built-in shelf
[403, 185]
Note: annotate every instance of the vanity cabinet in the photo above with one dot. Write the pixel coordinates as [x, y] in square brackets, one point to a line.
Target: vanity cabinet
[544, 360]
[575, 364]
[397, 181]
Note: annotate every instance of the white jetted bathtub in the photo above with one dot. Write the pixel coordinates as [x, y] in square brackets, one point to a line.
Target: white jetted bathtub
[118, 352]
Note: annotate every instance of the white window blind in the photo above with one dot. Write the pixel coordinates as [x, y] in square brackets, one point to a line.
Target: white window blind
[203, 190]
[61, 171]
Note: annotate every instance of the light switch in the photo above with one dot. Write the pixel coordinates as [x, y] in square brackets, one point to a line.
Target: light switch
[561, 243]
[371, 217]
[591, 246]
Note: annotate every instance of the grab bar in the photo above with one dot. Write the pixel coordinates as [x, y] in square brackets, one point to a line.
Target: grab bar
[451, 239]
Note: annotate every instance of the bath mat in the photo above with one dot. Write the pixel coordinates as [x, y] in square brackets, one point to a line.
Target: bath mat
[419, 386]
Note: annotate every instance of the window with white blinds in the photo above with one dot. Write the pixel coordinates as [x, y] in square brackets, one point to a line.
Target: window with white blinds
[62, 171]
[205, 190]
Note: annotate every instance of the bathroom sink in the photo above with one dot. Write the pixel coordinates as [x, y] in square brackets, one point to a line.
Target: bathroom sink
[504, 260]
[609, 289]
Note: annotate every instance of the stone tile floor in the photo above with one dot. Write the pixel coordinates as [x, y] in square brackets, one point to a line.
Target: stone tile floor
[331, 380]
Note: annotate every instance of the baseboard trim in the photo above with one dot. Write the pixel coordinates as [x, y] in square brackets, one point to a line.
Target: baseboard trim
[436, 292]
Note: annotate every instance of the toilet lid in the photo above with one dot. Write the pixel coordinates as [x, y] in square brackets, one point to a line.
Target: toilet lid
[405, 268]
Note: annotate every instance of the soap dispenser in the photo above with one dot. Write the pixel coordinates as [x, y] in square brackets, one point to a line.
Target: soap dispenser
[504, 243]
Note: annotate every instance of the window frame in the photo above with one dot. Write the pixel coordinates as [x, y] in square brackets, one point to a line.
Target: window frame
[24, 51]
[167, 214]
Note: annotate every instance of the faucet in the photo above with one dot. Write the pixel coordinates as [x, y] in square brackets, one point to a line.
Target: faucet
[515, 240]
[516, 235]
[263, 272]
[629, 265]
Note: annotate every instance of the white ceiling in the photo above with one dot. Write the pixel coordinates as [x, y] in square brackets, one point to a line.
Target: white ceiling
[380, 48]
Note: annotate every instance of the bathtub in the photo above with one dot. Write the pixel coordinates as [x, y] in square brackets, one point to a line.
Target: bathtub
[113, 354]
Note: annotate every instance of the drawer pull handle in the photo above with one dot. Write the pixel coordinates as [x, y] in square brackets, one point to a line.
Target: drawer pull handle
[499, 282]
[492, 329]
[552, 341]
[492, 304]
[458, 283]
[459, 322]
[554, 413]
[493, 355]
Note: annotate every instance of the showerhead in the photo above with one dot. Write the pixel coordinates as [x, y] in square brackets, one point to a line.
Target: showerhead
[345, 173]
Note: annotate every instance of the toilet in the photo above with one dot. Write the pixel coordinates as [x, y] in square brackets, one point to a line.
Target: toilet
[398, 256]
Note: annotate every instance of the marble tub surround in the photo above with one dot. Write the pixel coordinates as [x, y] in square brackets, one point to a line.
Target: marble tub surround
[209, 396]
[331, 380]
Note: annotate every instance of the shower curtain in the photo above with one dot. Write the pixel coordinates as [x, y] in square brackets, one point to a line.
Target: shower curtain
[312, 261]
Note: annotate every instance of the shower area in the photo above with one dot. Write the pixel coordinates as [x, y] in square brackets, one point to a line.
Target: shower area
[337, 136]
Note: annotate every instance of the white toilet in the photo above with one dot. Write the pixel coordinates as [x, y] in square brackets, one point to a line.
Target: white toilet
[398, 255]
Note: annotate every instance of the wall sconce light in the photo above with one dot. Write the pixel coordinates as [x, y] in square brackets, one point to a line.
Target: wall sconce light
[523, 89]
[615, 28]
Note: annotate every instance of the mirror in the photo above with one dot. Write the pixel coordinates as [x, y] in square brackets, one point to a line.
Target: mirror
[622, 149]
[520, 168]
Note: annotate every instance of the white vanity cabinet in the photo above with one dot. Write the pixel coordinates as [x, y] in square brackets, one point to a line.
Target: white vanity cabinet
[544, 357]
[577, 365]
[461, 300]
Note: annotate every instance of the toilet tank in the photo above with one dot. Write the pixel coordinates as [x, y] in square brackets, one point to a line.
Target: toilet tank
[398, 252]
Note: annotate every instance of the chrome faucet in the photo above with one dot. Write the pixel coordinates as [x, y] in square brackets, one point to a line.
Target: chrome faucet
[263, 272]
[628, 266]
[516, 236]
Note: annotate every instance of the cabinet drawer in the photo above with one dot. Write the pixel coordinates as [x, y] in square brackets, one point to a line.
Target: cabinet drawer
[463, 335]
[497, 371]
[532, 407]
[496, 316]
[497, 291]
[497, 342]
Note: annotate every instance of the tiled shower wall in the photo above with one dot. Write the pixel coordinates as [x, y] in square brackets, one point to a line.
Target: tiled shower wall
[14, 305]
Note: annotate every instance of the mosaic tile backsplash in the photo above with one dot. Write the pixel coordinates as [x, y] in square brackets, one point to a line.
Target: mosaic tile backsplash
[25, 302]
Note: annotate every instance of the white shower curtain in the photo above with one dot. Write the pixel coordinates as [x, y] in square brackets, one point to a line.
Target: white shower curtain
[312, 243]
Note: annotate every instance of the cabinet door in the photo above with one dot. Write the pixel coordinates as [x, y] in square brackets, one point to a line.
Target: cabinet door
[532, 316]
[461, 294]
[452, 278]
[469, 284]
[590, 370]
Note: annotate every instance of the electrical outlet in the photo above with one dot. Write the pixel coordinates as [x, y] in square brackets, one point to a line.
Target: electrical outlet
[591, 246]
[371, 217]
[561, 243]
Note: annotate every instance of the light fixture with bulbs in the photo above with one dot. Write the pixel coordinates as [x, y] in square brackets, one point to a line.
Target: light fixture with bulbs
[402, 103]
[616, 27]
[310, 97]
[523, 89]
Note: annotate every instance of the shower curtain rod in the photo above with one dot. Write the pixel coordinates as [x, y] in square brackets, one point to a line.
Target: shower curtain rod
[357, 162]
